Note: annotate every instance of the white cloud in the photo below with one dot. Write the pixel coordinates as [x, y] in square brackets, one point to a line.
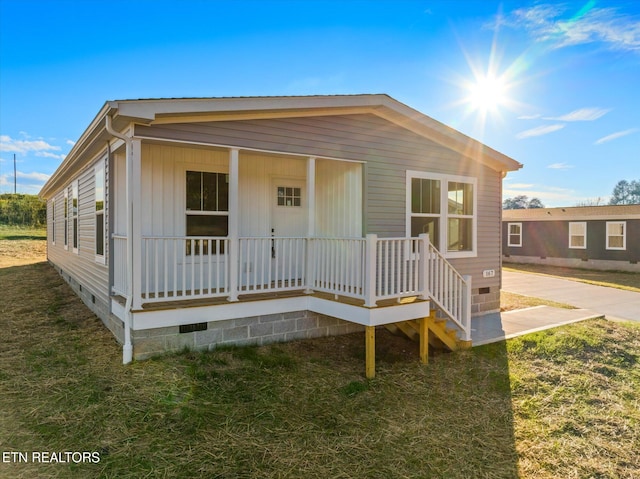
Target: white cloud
[27, 182]
[70, 142]
[521, 185]
[46, 154]
[529, 117]
[560, 166]
[548, 195]
[583, 114]
[553, 24]
[538, 131]
[12, 145]
[41, 177]
[616, 135]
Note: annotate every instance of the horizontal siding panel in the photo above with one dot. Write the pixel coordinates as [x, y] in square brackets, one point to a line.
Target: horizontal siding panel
[82, 266]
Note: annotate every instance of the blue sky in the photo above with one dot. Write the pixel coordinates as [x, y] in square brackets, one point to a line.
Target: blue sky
[554, 85]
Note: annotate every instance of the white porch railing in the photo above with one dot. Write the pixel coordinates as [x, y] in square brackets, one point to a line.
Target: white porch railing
[184, 268]
[338, 266]
[271, 264]
[370, 269]
[449, 290]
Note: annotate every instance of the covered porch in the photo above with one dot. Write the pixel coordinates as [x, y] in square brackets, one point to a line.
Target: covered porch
[233, 228]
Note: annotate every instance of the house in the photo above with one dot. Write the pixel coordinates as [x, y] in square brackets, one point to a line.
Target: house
[205, 221]
[594, 237]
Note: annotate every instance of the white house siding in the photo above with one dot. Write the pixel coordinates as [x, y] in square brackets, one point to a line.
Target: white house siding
[87, 277]
[338, 199]
[388, 151]
[257, 171]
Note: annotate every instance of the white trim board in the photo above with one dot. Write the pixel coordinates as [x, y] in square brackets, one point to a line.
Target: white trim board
[143, 320]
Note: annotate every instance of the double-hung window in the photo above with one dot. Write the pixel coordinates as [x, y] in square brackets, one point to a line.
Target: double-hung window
[617, 235]
[207, 206]
[74, 216]
[578, 235]
[515, 234]
[53, 221]
[99, 211]
[66, 218]
[444, 207]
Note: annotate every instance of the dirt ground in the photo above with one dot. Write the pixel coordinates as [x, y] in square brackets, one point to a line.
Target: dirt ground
[20, 252]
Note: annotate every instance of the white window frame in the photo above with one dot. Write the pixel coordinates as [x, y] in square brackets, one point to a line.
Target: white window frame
[519, 235]
[573, 234]
[444, 215]
[187, 212]
[624, 235]
[66, 218]
[75, 217]
[53, 221]
[100, 170]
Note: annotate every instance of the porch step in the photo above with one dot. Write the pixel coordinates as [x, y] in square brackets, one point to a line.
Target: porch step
[442, 337]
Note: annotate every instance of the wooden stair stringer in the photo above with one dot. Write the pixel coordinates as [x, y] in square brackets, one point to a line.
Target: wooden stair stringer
[442, 337]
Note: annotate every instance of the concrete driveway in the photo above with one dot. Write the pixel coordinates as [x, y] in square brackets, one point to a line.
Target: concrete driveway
[615, 304]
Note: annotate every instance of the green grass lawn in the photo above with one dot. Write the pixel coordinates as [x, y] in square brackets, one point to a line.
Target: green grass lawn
[22, 233]
[558, 403]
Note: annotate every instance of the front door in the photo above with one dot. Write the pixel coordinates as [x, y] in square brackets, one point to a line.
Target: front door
[289, 218]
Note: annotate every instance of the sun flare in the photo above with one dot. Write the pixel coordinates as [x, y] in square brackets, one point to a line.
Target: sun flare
[488, 93]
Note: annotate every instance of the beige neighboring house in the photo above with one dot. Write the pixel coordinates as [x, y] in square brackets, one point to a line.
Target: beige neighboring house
[596, 237]
[197, 222]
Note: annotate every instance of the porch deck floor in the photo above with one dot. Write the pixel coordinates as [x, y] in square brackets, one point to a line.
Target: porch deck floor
[199, 302]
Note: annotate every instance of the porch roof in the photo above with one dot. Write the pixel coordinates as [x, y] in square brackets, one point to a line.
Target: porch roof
[185, 110]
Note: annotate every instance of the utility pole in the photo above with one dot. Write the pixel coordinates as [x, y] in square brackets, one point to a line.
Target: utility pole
[15, 177]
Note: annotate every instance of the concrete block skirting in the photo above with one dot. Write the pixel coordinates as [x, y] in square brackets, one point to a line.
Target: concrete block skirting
[258, 330]
[485, 302]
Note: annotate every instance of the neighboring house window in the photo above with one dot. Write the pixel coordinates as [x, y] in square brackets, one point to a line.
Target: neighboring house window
[444, 207]
[207, 202]
[578, 235]
[53, 221]
[66, 218]
[99, 210]
[515, 234]
[74, 215]
[616, 235]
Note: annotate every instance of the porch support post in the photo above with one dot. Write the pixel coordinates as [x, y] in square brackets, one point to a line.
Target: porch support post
[423, 252]
[234, 244]
[370, 351]
[466, 315]
[370, 271]
[311, 224]
[136, 222]
[311, 196]
[424, 340]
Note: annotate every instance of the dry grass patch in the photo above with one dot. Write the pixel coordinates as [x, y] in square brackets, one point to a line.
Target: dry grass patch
[20, 246]
[511, 301]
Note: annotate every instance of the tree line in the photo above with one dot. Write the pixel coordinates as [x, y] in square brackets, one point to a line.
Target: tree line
[22, 210]
[624, 193]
